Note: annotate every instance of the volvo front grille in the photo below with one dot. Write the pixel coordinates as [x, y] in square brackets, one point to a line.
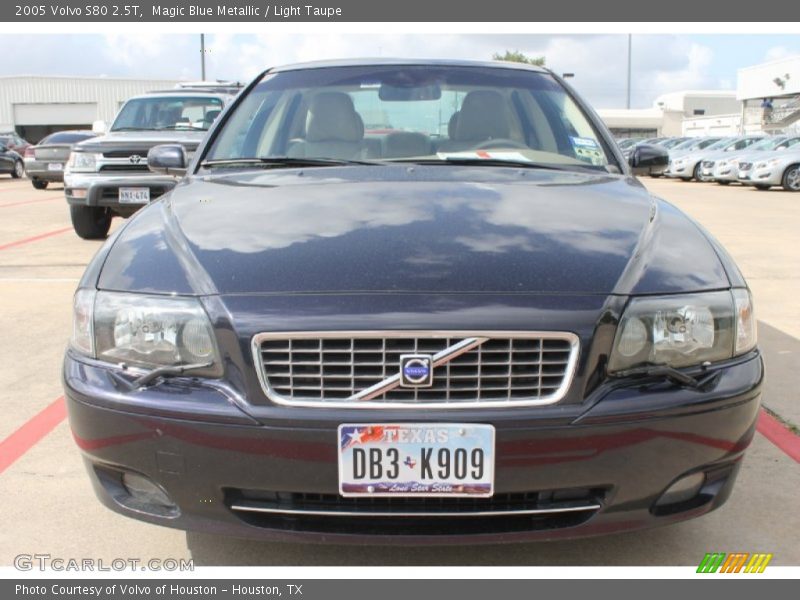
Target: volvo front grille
[362, 369]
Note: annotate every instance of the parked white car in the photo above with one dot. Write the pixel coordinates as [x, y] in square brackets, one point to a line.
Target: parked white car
[686, 164]
[782, 169]
[734, 145]
[726, 169]
[744, 170]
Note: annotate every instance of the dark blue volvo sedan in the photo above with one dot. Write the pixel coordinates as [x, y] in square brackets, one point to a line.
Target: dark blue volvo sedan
[411, 302]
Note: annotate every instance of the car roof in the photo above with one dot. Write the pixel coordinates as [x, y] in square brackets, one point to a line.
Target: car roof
[381, 61]
[184, 94]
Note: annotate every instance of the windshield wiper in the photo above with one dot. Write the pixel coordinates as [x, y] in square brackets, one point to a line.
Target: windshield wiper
[180, 127]
[271, 162]
[131, 129]
[669, 373]
[490, 162]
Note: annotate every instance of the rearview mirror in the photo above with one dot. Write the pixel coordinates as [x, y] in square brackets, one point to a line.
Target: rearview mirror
[410, 93]
[167, 159]
[645, 157]
[99, 127]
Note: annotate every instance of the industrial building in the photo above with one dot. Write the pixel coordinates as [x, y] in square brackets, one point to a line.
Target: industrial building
[35, 106]
[766, 99]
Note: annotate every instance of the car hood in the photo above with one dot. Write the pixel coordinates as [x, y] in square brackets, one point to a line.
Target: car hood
[432, 229]
[140, 140]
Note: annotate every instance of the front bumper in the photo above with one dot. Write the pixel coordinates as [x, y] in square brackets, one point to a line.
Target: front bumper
[626, 444]
[102, 189]
[682, 170]
[725, 173]
[40, 169]
[766, 176]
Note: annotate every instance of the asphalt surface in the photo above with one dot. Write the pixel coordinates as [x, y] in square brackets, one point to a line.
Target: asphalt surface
[48, 505]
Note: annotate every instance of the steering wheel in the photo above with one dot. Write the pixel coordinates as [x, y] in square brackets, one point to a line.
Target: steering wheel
[500, 143]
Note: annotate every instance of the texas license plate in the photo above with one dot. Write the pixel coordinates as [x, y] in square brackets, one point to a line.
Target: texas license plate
[55, 167]
[416, 459]
[134, 195]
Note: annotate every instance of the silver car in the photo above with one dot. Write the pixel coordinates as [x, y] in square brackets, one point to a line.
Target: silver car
[684, 162]
[44, 162]
[729, 169]
[723, 153]
[780, 168]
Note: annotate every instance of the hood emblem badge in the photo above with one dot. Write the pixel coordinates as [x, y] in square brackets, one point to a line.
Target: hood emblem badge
[416, 370]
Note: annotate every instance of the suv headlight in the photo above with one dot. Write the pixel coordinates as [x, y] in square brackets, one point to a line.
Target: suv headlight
[144, 331]
[83, 162]
[686, 330]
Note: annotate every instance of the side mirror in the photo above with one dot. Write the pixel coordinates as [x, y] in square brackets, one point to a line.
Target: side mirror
[167, 159]
[99, 127]
[645, 157]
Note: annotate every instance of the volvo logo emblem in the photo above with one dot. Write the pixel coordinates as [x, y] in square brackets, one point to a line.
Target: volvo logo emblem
[416, 370]
[135, 159]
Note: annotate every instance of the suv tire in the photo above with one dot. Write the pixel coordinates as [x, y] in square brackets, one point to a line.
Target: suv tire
[90, 222]
[39, 184]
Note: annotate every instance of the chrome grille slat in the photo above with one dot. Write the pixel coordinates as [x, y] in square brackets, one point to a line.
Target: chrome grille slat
[361, 369]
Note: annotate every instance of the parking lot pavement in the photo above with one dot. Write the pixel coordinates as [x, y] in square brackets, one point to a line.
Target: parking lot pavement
[47, 501]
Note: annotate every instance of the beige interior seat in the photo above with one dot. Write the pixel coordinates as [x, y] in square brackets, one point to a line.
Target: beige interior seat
[333, 129]
[484, 116]
[403, 144]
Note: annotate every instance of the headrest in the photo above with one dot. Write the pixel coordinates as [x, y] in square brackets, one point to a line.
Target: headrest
[451, 125]
[402, 144]
[332, 117]
[483, 115]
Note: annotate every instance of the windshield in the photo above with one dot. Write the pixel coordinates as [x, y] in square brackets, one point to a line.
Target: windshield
[431, 113]
[168, 112]
[66, 137]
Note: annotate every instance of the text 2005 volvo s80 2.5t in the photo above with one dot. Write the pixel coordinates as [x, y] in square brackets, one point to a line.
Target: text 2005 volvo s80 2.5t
[411, 301]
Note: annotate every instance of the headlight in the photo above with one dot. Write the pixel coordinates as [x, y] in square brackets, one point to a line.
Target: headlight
[145, 331]
[680, 331]
[83, 162]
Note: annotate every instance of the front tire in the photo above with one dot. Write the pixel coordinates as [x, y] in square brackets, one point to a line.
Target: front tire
[791, 179]
[90, 222]
[19, 170]
[39, 184]
[723, 182]
[762, 188]
[696, 173]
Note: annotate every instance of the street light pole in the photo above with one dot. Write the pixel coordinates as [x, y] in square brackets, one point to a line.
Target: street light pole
[202, 57]
[628, 105]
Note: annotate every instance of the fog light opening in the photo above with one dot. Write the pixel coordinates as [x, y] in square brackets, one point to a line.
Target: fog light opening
[78, 192]
[146, 495]
[683, 490]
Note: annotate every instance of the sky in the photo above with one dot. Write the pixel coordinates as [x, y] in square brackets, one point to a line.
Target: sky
[660, 63]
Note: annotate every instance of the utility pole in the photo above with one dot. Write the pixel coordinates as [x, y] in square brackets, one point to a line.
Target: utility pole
[628, 105]
[202, 57]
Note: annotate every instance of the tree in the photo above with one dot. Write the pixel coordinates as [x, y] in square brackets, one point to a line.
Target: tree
[519, 57]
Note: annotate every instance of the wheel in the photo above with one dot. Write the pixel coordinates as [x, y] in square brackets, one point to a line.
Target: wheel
[696, 173]
[723, 182]
[655, 175]
[791, 179]
[39, 184]
[19, 170]
[90, 222]
[762, 187]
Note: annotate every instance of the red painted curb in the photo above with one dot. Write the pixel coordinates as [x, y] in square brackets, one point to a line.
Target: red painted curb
[41, 236]
[27, 436]
[777, 433]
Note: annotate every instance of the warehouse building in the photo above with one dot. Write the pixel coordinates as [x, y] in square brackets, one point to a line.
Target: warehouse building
[35, 106]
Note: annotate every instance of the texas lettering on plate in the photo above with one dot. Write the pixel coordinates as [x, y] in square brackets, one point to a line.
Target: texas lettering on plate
[416, 459]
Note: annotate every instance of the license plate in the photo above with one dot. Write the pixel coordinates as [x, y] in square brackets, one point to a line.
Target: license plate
[416, 459]
[55, 167]
[134, 195]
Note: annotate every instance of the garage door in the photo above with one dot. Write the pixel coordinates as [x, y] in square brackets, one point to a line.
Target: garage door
[64, 114]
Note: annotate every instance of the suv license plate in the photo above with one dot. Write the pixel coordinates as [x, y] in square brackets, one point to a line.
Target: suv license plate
[134, 195]
[55, 167]
[416, 459]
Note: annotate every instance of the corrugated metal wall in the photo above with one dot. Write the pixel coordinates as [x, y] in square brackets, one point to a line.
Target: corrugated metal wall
[107, 94]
